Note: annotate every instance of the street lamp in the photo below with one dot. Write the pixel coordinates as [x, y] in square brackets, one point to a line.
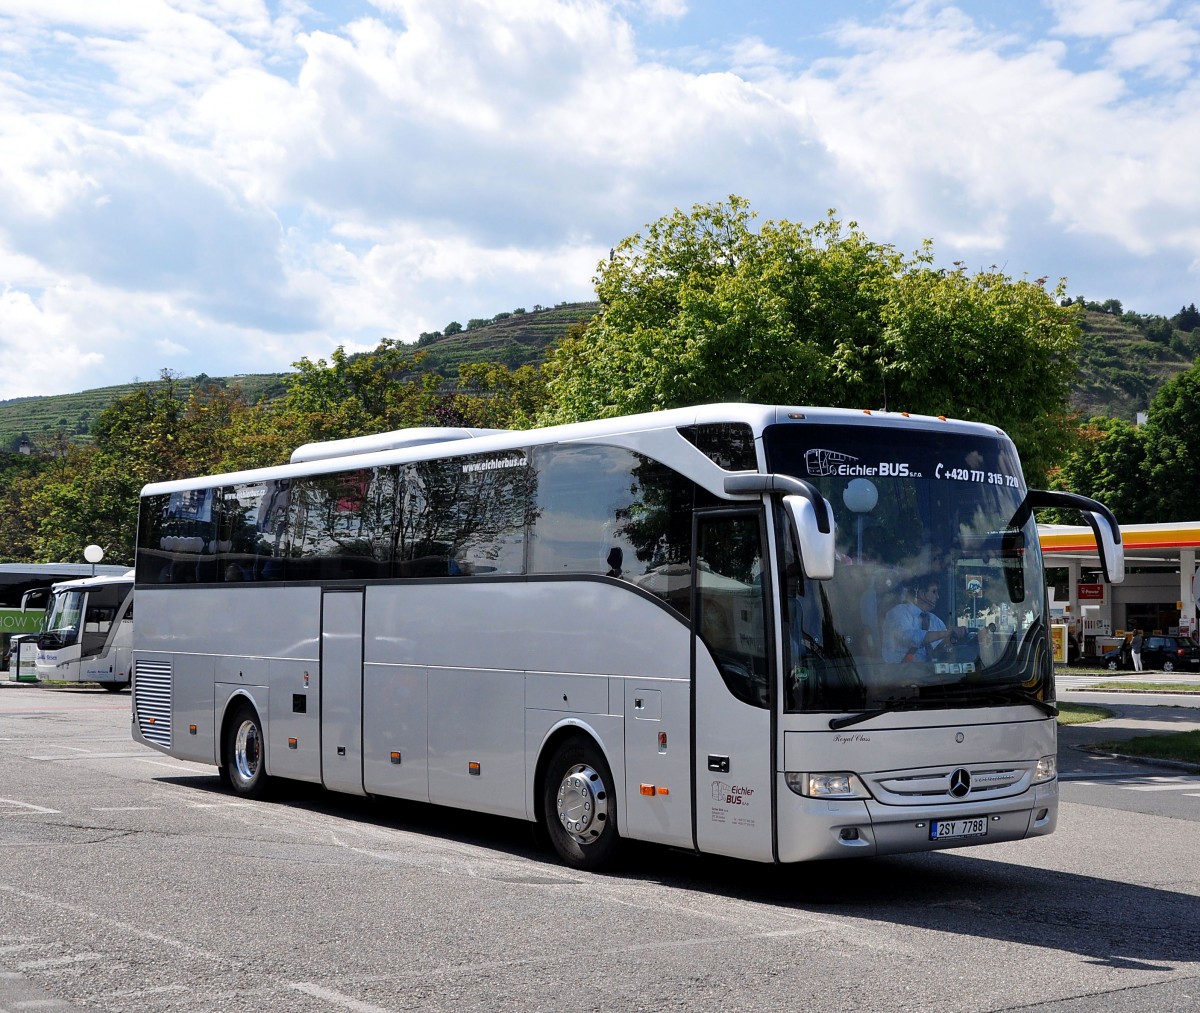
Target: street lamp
[860, 495]
[93, 554]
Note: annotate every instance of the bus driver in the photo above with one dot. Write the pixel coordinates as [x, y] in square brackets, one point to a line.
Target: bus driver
[911, 631]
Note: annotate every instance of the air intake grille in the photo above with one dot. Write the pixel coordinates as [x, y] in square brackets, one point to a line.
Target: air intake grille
[969, 783]
[152, 700]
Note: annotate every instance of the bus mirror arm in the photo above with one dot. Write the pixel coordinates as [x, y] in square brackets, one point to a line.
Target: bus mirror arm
[810, 512]
[1100, 519]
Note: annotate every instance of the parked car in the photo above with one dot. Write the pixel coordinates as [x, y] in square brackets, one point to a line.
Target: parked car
[1168, 653]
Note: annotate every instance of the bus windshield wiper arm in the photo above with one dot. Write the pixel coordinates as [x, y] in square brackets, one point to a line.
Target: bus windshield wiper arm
[897, 704]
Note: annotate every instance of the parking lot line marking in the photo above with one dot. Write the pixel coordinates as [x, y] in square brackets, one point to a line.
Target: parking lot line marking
[124, 808]
[1177, 786]
[24, 808]
[37, 965]
[221, 805]
[333, 997]
[89, 756]
[169, 766]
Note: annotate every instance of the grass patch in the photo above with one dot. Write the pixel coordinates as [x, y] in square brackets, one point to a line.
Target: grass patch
[1150, 687]
[1081, 713]
[1172, 746]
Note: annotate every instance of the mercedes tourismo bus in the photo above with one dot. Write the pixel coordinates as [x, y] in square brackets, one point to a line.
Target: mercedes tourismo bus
[87, 632]
[678, 627]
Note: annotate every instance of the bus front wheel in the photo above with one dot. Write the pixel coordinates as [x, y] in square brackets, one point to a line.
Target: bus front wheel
[578, 805]
[243, 753]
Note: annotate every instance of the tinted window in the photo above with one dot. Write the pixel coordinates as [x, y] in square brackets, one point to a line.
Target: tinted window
[463, 515]
[590, 510]
[729, 445]
[730, 612]
[340, 525]
[606, 510]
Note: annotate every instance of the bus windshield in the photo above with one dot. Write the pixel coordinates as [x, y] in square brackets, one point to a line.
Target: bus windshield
[938, 598]
[61, 624]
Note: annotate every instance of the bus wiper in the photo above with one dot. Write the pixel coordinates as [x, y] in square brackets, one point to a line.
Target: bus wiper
[1003, 694]
[895, 704]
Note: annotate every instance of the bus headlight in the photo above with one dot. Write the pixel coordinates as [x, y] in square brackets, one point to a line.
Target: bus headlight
[840, 784]
[1047, 769]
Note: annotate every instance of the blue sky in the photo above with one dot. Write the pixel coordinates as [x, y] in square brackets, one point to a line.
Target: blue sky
[224, 186]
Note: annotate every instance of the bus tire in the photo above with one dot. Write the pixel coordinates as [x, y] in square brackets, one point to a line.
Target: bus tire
[115, 687]
[579, 805]
[243, 757]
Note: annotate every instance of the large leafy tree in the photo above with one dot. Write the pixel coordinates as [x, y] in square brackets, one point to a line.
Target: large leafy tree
[1109, 463]
[703, 308]
[160, 431]
[1172, 438]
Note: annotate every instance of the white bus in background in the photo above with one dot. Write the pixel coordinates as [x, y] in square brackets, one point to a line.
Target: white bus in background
[24, 592]
[674, 627]
[87, 632]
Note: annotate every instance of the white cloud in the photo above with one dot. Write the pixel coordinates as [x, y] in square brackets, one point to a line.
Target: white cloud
[230, 184]
[1105, 18]
[1164, 49]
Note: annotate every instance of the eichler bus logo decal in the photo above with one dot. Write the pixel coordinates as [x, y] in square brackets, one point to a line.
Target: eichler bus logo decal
[731, 794]
[500, 462]
[829, 462]
[732, 806]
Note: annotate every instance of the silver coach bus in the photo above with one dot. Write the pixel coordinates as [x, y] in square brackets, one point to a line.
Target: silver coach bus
[771, 633]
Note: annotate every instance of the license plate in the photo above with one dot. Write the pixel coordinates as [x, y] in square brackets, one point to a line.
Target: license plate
[944, 830]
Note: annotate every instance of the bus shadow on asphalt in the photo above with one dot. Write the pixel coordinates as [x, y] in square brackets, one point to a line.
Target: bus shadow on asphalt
[1110, 923]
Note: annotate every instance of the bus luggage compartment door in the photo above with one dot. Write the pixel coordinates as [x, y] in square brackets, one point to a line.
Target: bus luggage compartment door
[341, 690]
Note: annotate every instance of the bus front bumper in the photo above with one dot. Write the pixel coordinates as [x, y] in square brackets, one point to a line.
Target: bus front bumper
[817, 828]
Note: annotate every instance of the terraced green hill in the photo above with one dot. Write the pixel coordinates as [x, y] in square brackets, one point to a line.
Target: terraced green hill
[1121, 367]
[42, 419]
[513, 338]
[1123, 361]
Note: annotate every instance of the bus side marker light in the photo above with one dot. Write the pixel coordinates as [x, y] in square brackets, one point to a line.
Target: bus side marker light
[395, 756]
[191, 729]
[292, 743]
[663, 791]
[648, 789]
[473, 768]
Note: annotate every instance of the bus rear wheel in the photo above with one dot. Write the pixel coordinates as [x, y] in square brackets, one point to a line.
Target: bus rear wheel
[578, 806]
[243, 754]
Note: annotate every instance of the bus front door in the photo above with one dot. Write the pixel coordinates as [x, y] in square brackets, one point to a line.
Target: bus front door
[732, 682]
[341, 690]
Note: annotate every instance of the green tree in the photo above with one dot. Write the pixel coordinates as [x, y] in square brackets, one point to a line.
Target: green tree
[490, 395]
[1109, 463]
[91, 494]
[355, 395]
[1172, 437]
[703, 308]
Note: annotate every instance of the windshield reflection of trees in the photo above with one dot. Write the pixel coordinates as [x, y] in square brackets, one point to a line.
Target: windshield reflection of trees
[958, 537]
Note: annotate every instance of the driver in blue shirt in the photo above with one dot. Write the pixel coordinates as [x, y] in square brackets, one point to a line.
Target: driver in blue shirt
[911, 630]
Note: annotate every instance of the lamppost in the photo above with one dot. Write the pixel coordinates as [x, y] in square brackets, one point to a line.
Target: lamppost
[860, 495]
[93, 554]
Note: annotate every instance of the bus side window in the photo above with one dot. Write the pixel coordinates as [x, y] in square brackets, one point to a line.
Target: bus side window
[730, 612]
